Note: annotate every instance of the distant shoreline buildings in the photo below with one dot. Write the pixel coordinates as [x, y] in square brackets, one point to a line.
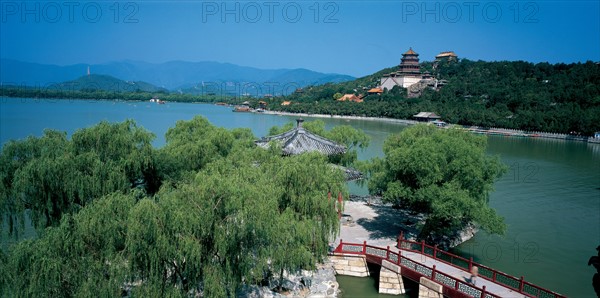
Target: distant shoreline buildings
[449, 55]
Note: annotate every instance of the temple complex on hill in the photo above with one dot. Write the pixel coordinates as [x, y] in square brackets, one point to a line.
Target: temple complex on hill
[409, 75]
[449, 55]
[408, 72]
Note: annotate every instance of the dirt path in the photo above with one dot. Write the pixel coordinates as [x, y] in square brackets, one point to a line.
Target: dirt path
[377, 224]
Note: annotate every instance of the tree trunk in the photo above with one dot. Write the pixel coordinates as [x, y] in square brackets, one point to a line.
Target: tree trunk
[281, 280]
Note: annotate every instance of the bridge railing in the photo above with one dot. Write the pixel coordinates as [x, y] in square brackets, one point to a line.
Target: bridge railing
[515, 283]
[452, 286]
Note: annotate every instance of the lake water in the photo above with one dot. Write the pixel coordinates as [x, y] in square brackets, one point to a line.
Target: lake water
[550, 197]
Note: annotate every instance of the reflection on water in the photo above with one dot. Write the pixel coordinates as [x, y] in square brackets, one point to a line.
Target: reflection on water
[362, 287]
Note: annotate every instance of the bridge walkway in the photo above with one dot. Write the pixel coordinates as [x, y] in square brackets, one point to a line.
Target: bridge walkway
[369, 232]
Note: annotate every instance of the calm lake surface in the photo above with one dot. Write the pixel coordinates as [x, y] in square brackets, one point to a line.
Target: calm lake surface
[550, 197]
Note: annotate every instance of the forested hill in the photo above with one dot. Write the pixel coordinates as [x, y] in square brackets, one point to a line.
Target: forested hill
[96, 82]
[540, 97]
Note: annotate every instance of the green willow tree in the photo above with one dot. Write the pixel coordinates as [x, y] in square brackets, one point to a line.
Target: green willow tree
[51, 176]
[444, 174]
[82, 256]
[193, 144]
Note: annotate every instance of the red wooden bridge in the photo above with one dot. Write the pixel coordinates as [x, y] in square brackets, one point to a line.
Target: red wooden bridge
[418, 259]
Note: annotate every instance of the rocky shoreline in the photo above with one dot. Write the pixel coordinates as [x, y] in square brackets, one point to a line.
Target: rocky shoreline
[320, 283]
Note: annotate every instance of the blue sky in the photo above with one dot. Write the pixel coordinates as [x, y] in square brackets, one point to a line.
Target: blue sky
[349, 37]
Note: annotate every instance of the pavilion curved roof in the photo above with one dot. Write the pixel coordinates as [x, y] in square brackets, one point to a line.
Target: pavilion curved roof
[299, 140]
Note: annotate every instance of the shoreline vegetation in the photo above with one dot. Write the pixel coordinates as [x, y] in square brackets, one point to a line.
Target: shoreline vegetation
[218, 100]
[519, 95]
[502, 97]
[474, 129]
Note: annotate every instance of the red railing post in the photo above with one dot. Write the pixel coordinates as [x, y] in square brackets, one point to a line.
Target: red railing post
[387, 255]
[433, 273]
[435, 251]
[422, 246]
[470, 263]
[399, 257]
[364, 247]
[494, 276]
[521, 284]
[483, 292]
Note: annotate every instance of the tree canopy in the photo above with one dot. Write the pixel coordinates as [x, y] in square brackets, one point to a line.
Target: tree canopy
[442, 173]
[193, 144]
[51, 175]
[241, 215]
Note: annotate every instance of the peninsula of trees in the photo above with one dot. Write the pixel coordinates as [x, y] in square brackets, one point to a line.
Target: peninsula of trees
[210, 211]
[205, 213]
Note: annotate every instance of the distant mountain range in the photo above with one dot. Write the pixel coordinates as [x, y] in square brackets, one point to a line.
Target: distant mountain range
[188, 77]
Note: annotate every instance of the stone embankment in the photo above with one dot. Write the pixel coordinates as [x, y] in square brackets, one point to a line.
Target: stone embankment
[382, 119]
[532, 134]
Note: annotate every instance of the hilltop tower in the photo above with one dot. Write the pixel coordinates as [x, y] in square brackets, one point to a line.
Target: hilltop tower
[408, 73]
[88, 71]
[409, 65]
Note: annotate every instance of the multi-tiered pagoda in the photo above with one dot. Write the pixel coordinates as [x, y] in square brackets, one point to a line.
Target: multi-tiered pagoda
[409, 65]
[408, 73]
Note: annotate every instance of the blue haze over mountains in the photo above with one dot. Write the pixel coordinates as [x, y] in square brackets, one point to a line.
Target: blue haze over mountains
[173, 75]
